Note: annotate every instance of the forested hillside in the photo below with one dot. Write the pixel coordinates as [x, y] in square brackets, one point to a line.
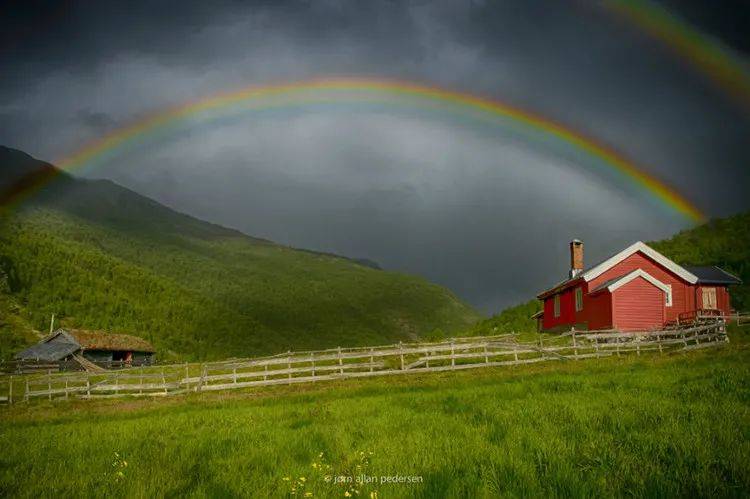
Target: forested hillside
[101, 256]
[724, 242]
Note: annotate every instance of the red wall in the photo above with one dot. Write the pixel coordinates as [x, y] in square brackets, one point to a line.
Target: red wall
[567, 310]
[638, 306]
[597, 310]
[601, 310]
[723, 301]
[683, 294]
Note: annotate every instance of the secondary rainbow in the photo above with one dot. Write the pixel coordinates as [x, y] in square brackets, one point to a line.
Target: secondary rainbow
[292, 94]
[709, 56]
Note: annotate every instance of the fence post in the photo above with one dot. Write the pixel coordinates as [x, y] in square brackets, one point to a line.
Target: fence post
[163, 381]
[401, 352]
[289, 370]
[117, 383]
[658, 341]
[312, 359]
[341, 362]
[49, 384]
[575, 345]
[88, 386]
[234, 375]
[10, 390]
[372, 361]
[453, 353]
[486, 357]
[26, 392]
[187, 371]
[202, 378]
[265, 372]
[66, 388]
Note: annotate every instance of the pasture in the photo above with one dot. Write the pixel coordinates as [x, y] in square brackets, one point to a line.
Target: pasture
[676, 424]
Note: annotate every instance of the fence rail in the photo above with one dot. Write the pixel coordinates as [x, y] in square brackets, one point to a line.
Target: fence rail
[340, 363]
[37, 366]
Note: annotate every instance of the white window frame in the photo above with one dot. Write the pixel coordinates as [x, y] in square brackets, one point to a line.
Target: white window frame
[669, 295]
[579, 299]
[556, 305]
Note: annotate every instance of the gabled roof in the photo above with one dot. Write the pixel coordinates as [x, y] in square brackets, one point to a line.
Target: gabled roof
[639, 246]
[600, 268]
[713, 275]
[64, 342]
[49, 351]
[618, 282]
[102, 340]
[559, 286]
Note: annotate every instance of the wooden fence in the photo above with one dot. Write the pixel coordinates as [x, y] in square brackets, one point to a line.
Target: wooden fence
[40, 366]
[340, 363]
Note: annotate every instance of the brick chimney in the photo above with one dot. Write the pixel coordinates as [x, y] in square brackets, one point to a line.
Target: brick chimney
[576, 257]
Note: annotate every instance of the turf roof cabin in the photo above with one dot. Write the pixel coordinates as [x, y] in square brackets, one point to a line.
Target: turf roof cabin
[95, 346]
[637, 289]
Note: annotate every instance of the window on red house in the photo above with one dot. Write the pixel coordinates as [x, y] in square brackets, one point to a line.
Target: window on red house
[579, 299]
[557, 305]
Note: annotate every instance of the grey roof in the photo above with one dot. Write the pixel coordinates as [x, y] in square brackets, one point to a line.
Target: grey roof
[608, 283]
[50, 349]
[712, 275]
[64, 342]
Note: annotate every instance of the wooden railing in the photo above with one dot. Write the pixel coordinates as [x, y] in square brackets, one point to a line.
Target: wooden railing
[38, 366]
[341, 363]
[699, 314]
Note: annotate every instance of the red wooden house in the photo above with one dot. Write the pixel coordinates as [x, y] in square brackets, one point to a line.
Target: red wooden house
[636, 289]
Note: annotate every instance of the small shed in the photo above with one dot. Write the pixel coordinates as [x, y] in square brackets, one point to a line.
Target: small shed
[95, 346]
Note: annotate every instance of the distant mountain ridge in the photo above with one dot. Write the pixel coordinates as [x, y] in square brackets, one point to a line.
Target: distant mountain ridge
[99, 255]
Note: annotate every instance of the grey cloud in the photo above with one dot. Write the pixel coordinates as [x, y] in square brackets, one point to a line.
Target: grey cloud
[480, 210]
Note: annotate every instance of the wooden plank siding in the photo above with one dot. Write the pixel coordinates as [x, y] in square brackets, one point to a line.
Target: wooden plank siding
[683, 296]
[638, 306]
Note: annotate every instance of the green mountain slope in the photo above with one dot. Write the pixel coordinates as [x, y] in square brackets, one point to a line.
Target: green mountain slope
[101, 256]
[724, 242]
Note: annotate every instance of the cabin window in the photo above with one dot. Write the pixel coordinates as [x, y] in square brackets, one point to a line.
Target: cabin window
[709, 298]
[557, 305]
[579, 299]
[669, 295]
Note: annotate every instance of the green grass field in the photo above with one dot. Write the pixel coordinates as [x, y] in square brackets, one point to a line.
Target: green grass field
[651, 425]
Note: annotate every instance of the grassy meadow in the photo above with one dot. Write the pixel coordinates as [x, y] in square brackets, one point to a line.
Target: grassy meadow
[651, 425]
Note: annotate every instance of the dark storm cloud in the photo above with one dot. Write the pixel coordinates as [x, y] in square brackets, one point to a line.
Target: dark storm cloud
[478, 211]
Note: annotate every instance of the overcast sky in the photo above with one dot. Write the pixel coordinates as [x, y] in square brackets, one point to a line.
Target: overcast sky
[479, 209]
